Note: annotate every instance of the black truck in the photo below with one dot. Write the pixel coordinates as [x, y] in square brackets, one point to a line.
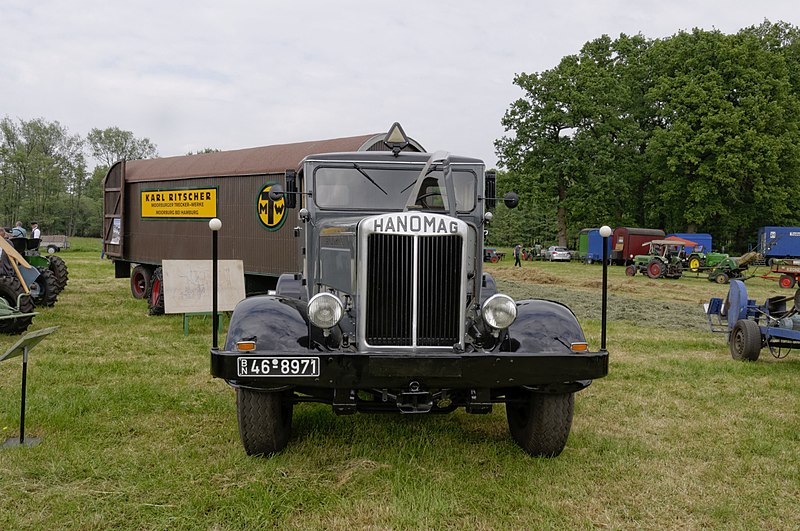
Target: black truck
[392, 311]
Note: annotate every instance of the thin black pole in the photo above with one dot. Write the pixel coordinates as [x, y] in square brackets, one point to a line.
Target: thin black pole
[214, 301]
[24, 385]
[605, 294]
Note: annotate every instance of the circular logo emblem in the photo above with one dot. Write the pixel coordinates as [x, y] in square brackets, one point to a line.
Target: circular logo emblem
[271, 213]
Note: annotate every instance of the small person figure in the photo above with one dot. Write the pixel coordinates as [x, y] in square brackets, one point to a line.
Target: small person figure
[19, 231]
[517, 252]
[35, 232]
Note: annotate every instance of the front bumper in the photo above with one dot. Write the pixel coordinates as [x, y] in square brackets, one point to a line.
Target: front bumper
[441, 371]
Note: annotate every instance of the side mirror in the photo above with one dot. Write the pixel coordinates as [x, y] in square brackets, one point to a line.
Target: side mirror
[490, 189]
[511, 200]
[291, 189]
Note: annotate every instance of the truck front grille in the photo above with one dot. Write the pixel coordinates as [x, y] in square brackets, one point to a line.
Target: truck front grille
[413, 290]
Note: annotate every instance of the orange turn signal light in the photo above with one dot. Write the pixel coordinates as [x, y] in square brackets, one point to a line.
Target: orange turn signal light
[579, 346]
[246, 345]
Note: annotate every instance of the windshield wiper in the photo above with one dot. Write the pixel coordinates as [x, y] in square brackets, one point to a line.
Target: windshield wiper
[370, 179]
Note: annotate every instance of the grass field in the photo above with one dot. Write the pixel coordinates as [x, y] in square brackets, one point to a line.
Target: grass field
[137, 435]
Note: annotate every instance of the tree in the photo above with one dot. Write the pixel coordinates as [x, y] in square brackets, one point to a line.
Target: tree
[40, 166]
[576, 136]
[725, 153]
[112, 144]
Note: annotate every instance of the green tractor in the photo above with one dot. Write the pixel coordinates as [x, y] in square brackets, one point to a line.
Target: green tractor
[731, 267]
[700, 259]
[664, 260]
[16, 303]
[48, 276]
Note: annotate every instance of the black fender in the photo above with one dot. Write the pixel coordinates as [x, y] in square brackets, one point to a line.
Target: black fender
[276, 324]
[542, 326]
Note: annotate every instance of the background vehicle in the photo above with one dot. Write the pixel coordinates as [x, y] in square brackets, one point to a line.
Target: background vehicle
[16, 304]
[664, 259]
[490, 254]
[590, 246]
[556, 253]
[779, 242]
[389, 309]
[628, 242]
[54, 243]
[751, 327]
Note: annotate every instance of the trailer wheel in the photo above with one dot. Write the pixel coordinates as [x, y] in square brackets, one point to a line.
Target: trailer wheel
[52, 249]
[655, 269]
[156, 297]
[745, 340]
[60, 272]
[540, 423]
[265, 420]
[786, 281]
[630, 270]
[10, 289]
[721, 278]
[140, 281]
[44, 291]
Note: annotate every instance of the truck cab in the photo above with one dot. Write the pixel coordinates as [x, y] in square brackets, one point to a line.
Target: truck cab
[393, 312]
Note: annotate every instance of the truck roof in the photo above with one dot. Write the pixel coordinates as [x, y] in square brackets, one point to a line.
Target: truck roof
[378, 156]
[250, 161]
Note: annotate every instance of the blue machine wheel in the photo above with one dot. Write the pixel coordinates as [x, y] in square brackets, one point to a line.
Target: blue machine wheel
[745, 340]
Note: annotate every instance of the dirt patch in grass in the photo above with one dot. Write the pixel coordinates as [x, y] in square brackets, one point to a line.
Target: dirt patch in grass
[587, 305]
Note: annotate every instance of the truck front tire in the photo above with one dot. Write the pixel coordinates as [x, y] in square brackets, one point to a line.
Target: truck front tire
[540, 423]
[265, 420]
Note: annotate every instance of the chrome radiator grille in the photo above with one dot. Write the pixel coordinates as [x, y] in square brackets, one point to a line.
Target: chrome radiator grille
[413, 290]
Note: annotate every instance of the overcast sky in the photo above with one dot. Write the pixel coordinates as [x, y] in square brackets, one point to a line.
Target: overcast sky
[233, 74]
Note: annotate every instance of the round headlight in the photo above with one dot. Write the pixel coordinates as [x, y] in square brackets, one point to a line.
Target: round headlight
[325, 310]
[499, 311]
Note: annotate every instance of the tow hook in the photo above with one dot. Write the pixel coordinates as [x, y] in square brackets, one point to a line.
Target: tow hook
[415, 400]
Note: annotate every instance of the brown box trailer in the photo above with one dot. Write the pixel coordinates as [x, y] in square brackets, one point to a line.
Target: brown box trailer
[628, 242]
[158, 209]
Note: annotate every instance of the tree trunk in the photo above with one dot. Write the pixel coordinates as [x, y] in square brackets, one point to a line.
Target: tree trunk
[561, 217]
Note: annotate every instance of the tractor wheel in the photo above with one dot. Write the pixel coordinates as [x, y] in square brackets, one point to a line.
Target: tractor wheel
[630, 270]
[721, 278]
[540, 423]
[694, 263]
[265, 420]
[495, 259]
[786, 281]
[141, 278]
[10, 289]
[655, 269]
[156, 298]
[60, 272]
[745, 340]
[44, 291]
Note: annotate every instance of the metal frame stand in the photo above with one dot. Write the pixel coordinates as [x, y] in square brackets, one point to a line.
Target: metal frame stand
[23, 347]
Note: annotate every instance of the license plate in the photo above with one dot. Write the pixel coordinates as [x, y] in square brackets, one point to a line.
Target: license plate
[279, 366]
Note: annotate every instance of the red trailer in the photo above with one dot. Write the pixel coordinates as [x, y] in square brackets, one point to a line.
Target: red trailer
[628, 242]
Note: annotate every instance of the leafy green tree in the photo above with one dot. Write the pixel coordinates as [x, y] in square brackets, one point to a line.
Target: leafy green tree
[112, 144]
[725, 154]
[576, 137]
[40, 167]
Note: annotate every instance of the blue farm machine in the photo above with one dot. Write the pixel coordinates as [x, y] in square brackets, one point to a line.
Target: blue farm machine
[752, 327]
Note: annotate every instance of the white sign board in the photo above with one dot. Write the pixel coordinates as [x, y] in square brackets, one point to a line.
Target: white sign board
[188, 289]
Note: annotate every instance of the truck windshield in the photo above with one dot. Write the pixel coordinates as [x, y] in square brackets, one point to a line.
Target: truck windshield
[363, 187]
